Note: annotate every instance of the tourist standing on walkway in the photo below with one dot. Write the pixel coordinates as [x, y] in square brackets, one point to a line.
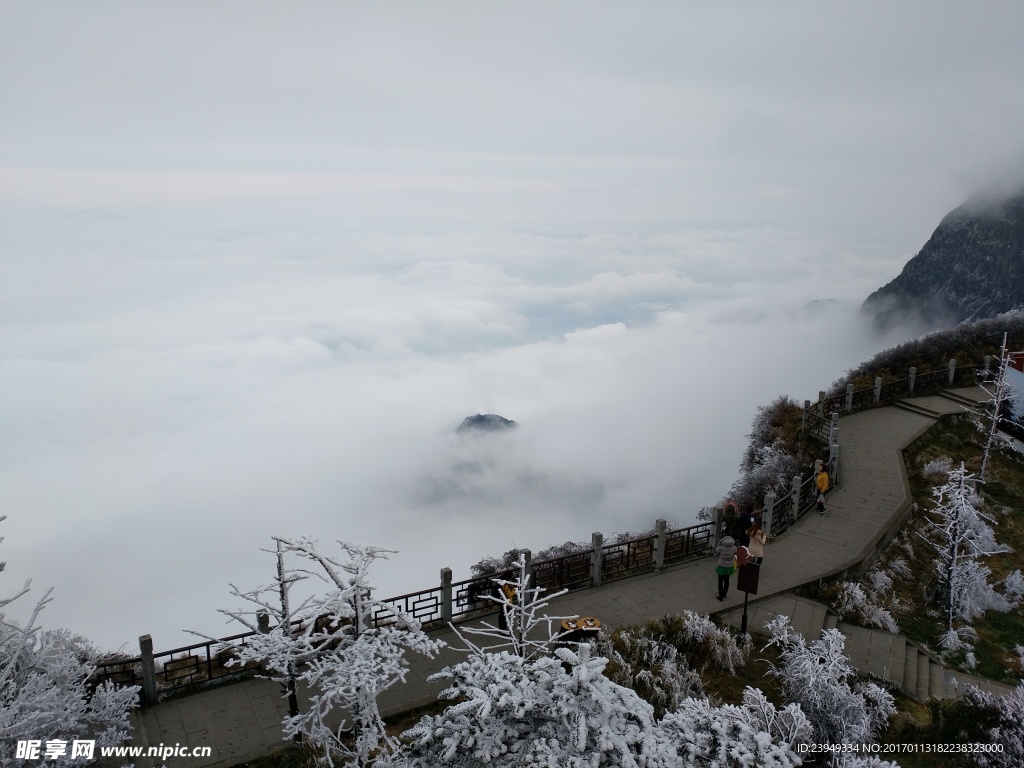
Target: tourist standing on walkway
[726, 558]
[743, 523]
[756, 538]
[822, 483]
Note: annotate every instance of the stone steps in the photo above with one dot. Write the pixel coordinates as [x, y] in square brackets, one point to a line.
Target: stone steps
[918, 408]
[959, 398]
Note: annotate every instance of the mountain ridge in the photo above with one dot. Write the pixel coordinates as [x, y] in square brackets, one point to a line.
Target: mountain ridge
[972, 267]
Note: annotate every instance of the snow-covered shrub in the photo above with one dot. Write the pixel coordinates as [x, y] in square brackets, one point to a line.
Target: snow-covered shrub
[872, 601]
[511, 711]
[900, 568]
[939, 467]
[1013, 589]
[755, 733]
[655, 669]
[45, 695]
[346, 646]
[45, 692]
[854, 600]
[818, 677]
[707, 645]
[1006, 728]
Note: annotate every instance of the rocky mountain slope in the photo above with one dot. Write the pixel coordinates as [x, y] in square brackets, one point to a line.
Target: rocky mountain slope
[972, 267]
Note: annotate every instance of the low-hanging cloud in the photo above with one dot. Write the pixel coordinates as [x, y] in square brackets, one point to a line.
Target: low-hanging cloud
[253, 290]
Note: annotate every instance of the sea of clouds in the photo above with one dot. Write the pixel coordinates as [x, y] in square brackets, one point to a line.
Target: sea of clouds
[192, 380]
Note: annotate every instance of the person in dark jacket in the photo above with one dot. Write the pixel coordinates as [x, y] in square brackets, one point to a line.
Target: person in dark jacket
[742, 525]
[726, 553]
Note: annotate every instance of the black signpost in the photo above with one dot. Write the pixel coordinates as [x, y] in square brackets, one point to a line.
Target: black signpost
[746, 580]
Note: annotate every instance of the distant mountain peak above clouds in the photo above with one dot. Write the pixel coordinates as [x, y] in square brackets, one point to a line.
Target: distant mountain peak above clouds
[972, 267]
[486, 422]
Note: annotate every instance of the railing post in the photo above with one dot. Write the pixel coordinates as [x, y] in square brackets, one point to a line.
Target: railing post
[913, 378]
[952, 371]
[528, 557]
[263, 622]
[796, 498]
[821, 404]
[148, 670]
[833, 433]
[878, 388]
[596, 558]
[769, 510]
[446, 596]
[988, 363]
[833, 463]
[659, 544]
[849, 397]
[804, 415]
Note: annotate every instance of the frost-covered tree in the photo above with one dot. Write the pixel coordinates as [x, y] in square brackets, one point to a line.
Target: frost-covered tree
[522, 699]
[961, 535]
[818, 677]
[773, 454]
[773, 468]
[559, 711]
[562, 711]
[526, 631]
[1000, 400]
[345, 645]
[45, 693]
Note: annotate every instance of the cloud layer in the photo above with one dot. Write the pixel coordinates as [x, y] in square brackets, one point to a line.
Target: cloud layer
[257, 264]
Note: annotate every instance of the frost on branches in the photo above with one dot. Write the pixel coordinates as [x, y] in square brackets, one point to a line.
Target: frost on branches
[44, 690]
[562, 712]
[526, 631]
[513, 711]
[871, 602]
[754, 734]
[1005, 725]
[772, 456]
[961, 535]
[818, 677]
[659, 660]
[1000, 401]
[346, 646]
[523, 701]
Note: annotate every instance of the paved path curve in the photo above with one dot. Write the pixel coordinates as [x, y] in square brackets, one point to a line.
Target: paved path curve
[242, 721]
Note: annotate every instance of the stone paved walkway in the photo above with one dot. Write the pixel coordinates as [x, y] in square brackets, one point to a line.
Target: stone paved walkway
[242, 721]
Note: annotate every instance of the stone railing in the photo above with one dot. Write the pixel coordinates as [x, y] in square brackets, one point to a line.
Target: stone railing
[817, 418]
[192, 667]
[195, 666]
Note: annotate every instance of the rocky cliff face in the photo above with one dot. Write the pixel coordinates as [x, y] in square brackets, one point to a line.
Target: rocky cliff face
[972, 267]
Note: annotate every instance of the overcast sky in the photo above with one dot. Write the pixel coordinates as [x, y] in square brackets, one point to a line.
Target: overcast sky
[258, 261]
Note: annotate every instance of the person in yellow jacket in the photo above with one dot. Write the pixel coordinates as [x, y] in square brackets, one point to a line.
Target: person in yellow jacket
[821, 481]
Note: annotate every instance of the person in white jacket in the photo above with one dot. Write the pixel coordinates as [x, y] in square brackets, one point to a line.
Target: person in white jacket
[726, 554]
